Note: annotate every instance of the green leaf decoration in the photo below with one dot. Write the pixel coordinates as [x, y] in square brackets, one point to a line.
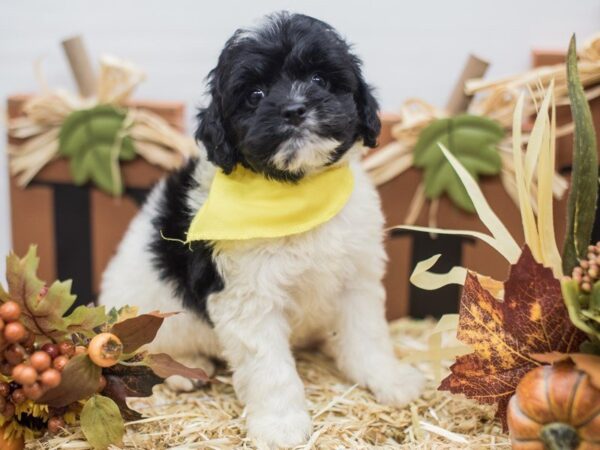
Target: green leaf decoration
[123, 313]
[44, 308]
[95, 140]
[581, 210]
[80, 379]
[101, 422]
[575, 301]
[472, 140]
[584, 312]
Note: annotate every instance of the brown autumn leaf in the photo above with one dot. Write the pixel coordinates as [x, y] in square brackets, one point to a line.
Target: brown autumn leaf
[80, 379]
[585, 362]
[44, 308]
[129, 381]
[139, 330]
[165, 366]
[504, 334]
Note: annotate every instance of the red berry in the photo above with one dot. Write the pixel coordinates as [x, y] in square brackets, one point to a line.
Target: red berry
[18, 397]
[66, 348]
[2, 404]
[10, 311]
[9, 410]
[14, 354]
[6, 368]
[60, 362]
[14, 332]
[55, 424]
[51, 349]
[40, 361]
[33, 391]
[1, 324]
[51, 378]
[4, 389]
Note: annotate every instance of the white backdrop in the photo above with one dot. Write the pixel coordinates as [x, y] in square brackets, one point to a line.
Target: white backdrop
[410, 48]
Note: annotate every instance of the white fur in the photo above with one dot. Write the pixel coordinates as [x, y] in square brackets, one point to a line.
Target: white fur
[304, 152]
[322, 286]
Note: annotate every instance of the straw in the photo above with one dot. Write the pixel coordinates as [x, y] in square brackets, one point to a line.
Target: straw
[344, 415]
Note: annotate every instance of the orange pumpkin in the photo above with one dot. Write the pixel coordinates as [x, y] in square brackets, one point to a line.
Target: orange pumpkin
[13, 444]
[555, 407]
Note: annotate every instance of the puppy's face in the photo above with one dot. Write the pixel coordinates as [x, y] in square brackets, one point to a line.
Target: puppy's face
[288, 99]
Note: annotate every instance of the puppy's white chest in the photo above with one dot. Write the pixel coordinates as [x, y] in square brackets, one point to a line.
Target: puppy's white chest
[317, 293]
[305, 275]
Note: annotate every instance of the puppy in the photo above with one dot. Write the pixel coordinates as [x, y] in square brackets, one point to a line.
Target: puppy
[287, 100]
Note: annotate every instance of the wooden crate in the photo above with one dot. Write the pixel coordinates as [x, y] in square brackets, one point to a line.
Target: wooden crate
[77, 228]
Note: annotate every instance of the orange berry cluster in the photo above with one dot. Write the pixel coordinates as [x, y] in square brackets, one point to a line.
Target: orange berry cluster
[33, 370]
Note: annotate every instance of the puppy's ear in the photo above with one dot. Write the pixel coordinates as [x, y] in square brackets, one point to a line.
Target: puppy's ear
[369, 124]
[211, 132]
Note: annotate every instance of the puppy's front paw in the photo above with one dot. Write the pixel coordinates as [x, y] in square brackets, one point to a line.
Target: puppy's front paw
[177, 383]
[398, 386]
[288, 428]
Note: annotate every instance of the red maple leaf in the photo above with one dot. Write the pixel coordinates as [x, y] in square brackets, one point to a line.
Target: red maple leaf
[504, 334]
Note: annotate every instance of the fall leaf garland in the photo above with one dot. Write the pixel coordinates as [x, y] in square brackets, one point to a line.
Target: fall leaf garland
[96, 360]
[44, 308]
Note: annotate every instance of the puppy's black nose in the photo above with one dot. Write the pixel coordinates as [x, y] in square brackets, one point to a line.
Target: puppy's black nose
[294, 113]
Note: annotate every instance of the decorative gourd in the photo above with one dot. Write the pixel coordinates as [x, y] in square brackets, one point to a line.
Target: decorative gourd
[555, 408]
[12, 444]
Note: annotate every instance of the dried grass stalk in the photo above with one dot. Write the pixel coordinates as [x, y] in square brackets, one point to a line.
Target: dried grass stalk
[498, 98]
[344, 415]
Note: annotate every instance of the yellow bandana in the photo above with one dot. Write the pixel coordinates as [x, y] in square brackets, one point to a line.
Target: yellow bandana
[245, 205]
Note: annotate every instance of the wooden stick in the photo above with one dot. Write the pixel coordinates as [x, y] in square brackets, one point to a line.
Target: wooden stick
[80, 65]
[459, 101]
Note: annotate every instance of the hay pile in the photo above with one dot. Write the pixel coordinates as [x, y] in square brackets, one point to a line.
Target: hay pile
[344, 416]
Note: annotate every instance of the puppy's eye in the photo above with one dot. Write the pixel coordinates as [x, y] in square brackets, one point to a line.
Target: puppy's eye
[318, 79]
[256, 96]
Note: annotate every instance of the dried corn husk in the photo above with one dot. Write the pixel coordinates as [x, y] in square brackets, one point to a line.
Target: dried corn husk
[154, 139]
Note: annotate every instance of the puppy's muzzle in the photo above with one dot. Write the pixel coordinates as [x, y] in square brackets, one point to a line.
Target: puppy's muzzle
[294, 113]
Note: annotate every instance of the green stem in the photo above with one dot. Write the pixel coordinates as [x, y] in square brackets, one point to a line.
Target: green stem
[559, 436]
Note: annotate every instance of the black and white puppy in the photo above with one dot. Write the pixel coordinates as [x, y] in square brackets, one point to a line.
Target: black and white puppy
[287, 99]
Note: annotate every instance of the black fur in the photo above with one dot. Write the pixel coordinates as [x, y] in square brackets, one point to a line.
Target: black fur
[191, 270]
[288, 50]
